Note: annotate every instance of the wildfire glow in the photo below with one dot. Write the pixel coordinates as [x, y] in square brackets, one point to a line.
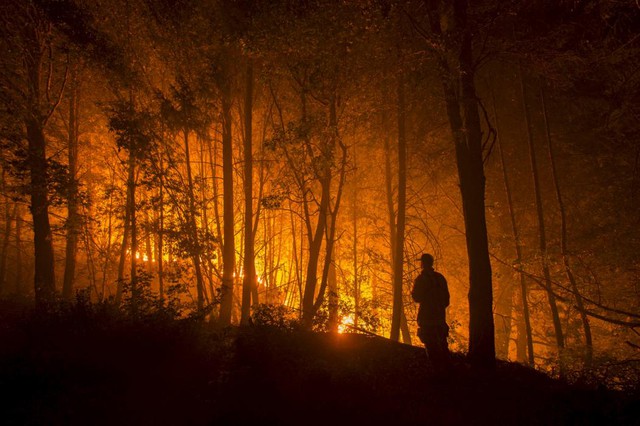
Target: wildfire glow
[346, 323]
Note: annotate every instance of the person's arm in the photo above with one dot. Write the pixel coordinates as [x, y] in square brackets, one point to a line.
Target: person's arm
[445, 291]
[418, 291]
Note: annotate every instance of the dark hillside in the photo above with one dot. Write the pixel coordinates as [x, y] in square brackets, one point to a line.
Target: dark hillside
[59, 370]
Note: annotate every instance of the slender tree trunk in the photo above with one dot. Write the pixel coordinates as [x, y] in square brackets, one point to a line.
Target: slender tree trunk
[294, 250]
[334, 317]
[147, 240]
[131, 189]
[390, 203]
[212, 149]
[266, 258]
[398, 258]
[213, 157]
[91, 268]
[315, 245]
[315, 239]
[9, 216]
[301, 257]
[19, 287]
[503, 317]
[205, 263]
[524, 329]
[457, 75]
[522, 339]
[332, 214]
[354, 251]
[249, 280]
[404, 328]
[523, 281]
[73, 215]
[193, 227]
[255, 293]
[160, 244]
[557, 325]
[106, 264]
[229, 250]
[588, 341]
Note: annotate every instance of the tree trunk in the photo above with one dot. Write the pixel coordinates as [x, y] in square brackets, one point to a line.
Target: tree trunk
[398, 258]
[524, 329]
[249, 280]
[19, 287]
[541, 227]
[73, 215]
[123, 252]
[523, 281]
[6, 236]
[404, 328]
[160, 234]
[294, 251]
[9, 216]
[44, 278]
[91, 267]
[147, 239]
[390, 204]
[354, 252]
[332, 214]
[131, 198]
[315, 239]
[106, 264]
[205, 263]
[35, 120]
[588, 341]
[315, 245]
[192, 225]
[229, 249]
[212, 149]
[462, 109]
[522, 339]
[334, 314]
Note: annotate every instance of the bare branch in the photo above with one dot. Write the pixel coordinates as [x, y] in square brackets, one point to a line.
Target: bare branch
[53, 107]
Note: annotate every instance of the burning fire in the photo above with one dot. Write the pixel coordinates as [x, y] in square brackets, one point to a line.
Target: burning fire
[346, 323]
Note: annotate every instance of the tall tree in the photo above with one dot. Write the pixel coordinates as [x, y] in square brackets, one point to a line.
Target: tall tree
[6, 236]
[33, 93]
[134, 132]
[398, 250]
[542, 234]
[586, 326]
[524, 324]
[249, 279]
[457, 71]
[73, 212]
[229, 246]
[183, 115]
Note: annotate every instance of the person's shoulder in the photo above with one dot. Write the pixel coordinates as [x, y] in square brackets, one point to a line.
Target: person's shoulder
[439, 275]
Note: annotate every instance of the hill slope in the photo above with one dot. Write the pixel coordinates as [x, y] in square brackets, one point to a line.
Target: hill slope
[63, 371]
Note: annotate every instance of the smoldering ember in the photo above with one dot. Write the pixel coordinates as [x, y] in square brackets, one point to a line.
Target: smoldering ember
[320, 212]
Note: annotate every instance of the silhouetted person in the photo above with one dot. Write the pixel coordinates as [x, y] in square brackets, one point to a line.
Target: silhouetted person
[431, 292]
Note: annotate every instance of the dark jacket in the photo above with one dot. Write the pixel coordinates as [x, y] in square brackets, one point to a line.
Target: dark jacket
[431, 292]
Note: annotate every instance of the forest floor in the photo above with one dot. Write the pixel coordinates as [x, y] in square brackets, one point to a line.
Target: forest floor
[88, 369]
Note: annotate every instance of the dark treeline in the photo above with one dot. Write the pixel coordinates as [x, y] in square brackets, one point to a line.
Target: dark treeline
[225, 159]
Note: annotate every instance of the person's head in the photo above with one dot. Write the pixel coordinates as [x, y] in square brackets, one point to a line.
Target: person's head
[426, 260]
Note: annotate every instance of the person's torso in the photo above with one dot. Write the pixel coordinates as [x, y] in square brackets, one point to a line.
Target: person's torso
[433, 308]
